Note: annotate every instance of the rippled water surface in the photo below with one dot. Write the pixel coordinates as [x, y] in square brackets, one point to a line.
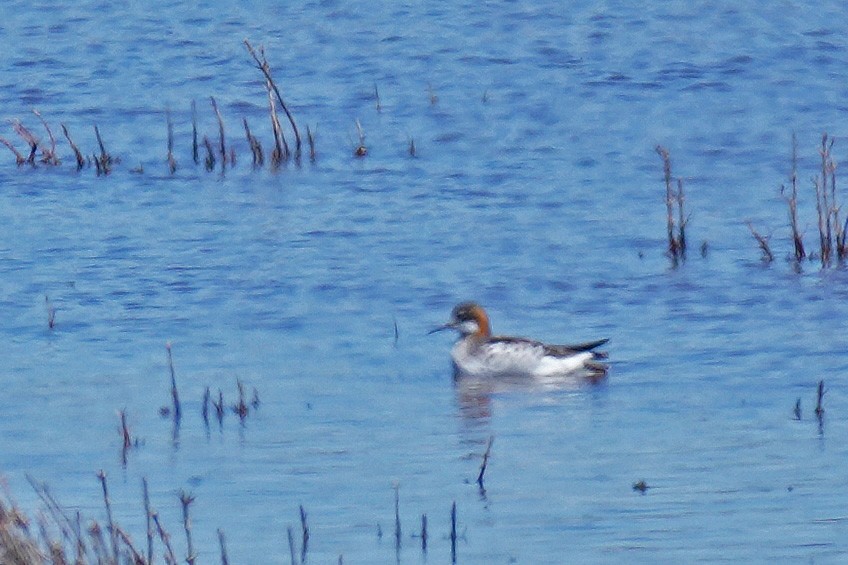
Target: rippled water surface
[535, 189]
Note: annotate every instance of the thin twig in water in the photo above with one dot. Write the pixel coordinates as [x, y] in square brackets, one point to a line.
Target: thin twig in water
[453, 532]
[396, 487]
[19, 159]
[149, 520]
[77, 152]
[763, 241]
[178, 412]
[424, 533]
[485, 461]
[262, 64]
[221, 541]
[194, 152]
[111, 525]
[51, 313]
[305, 534]
[222, 144]
[172, 163]
[186, 500]
[48, 155]
[361, 150]
[170, 558]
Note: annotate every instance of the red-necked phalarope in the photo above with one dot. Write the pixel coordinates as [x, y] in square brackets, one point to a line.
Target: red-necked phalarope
[479, 354]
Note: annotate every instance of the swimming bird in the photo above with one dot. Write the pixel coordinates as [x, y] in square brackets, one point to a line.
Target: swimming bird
[479, 354]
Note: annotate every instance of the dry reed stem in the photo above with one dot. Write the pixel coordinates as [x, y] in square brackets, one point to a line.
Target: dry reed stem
[148, 519]
[485, 461]
[292, 551]
[224, 559]
[222, 147]
[424, 533]
[361, 150]
[186, 500]
[137, 558]
[204, 410]
[27, 136]
[172, 163]
[396, 488]
[763, 241]
[175, 397]
[194, 147]
[210, 154]
[19, 159]
[281, 146]
[255, 146]
[304, 527]
[77, 152]
[170, 558]
[310, 138]
[105, 160]
[377, 104]
[262, 64]
[51, 312]
[673, 247]
[792, 202]
[113, 535]
[48, 156]
[453, 532]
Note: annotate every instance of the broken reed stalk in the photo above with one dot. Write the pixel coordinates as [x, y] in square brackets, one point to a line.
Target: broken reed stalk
[797, 411]
[110, 524]
[27, 136]
[48, 156]
[210, 154]
[172, 163]
[194, 152]
[424, 533]
[396, 487]
[682, 219]
[453, 532]
[292, 552]
[304, 527]
[411, 149]
[485, 461]
[222, 147]
[262, 64]
[255, 145]
[377, 103]
[310, 138]
[792, 202]
[186, 500]
[219, 408]
[77, 152]
[361, 150]
[763, 241]
[819, 397]
[137, 558]
[222, 543]
[19, 159]
[170, 558]
[51, 312]
[204, 410]
[240, 407]
[178, 413]
[281, 146]
[675, 249]
[823, 206]
[148, 520]
[105, 160]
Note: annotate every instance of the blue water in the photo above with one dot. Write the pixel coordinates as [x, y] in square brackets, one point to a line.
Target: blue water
[535, 190]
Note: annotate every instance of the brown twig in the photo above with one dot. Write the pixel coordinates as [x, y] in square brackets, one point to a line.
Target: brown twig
[77, 152]
[310, 138]
[262, 64]
[113, 535]
[172, 163]
[19, 159]
[194, 148]
[27, 136]
[221, 542]
[361, 150]
[424, 533]
[210, 154]
[48, 156]
[222, 147]
[186, 500]
[792, 202]
[170, 558]
[255, 146]
[763, 241]
[305, 535]
[105, 160]
[178, 413]
[281, 146]
[51, 312]
[673, 244]
[485, 461]
[148, 520]
[453, 532]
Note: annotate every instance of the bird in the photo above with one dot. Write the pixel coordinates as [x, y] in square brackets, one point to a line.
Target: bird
[480, 355]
